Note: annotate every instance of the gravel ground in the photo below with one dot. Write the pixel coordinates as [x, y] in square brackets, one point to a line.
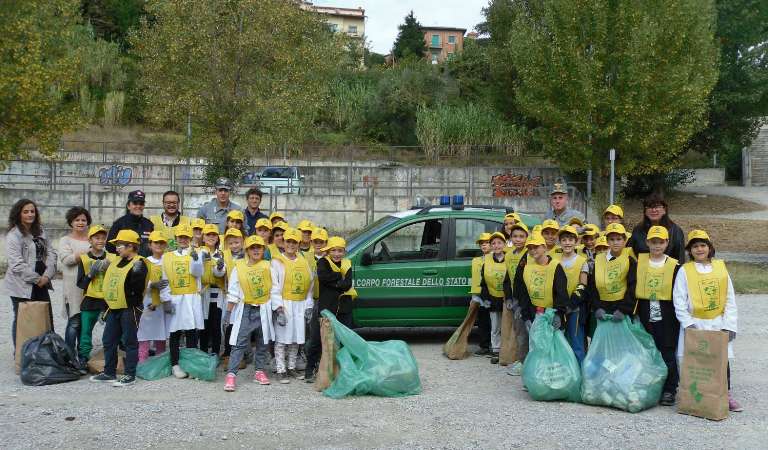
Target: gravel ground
[465, 404]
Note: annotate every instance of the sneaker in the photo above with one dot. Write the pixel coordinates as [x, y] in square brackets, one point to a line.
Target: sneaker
[482, 352]
[283, 377]
[733, 405]
[310, 379]
[667, 399]
[260, 377]
[230, 382]
[293, 373]
[178, 372]
[125, 380]
[103, 378]
[516, 369]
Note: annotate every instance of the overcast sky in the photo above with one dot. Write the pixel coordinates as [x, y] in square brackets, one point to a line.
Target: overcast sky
[383, 16]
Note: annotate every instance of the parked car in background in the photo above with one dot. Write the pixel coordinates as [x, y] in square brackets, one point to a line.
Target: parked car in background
[281, 180]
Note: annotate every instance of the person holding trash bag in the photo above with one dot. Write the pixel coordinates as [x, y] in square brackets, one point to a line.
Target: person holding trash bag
[576, 270]
[611, 288]
[518, 235]
[495, 288]
[248, 309]
[483, 315]
[124, 285]
[656, 274]
[704, 298]
[152, 326]
[213, 290]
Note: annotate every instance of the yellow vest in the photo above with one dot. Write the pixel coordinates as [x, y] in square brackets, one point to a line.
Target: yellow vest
[494, 274]
[477, 266]
[654, 283]
[555, 253]
[229, 261]
[180, 280]
[573, 273]
[95, 287]
[345, 266]
[629, 251]
[114, 284]
[255, 281]
[296, 284]
[208, 279]
[513, 260]
[611, 276]
[539, 282]
[155, 274]
[273, 250]
[708, 291]
[169, 232]
[310, 257]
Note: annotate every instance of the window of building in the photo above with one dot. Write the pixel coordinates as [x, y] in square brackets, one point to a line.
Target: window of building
[451, 39]
[435, 40]
[353, 29]
[334, 27]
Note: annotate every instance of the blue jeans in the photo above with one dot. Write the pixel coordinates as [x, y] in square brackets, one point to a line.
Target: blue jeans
[250, 323]
[121, 324]
[575, 332]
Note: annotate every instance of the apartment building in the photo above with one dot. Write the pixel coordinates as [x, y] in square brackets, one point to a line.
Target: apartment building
[443, 42]
[350, 21]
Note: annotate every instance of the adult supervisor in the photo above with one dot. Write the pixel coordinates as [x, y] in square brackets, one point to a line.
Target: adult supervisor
[559, 210]
[133, 220]
[171, 217]
[216, 210]
[252, 211]
[656, 213]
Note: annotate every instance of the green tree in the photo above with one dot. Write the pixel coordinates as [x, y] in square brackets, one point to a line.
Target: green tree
[472, 71]
[592, 75]
[410, 39]
[112, 20]
[250, 73]
[38, 74]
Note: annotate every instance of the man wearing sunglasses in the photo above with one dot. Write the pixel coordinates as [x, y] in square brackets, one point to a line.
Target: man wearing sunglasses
[133, 220]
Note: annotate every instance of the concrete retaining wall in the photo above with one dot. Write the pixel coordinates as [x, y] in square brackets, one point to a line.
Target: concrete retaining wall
[709, 177]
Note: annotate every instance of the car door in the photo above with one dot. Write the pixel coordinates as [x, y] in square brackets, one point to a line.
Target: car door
[402, 284]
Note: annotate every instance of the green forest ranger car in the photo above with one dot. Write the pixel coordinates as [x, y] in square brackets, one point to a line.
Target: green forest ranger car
[412, 268]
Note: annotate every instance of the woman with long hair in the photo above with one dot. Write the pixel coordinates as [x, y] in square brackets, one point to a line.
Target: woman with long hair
[71, 248]
[656, 213]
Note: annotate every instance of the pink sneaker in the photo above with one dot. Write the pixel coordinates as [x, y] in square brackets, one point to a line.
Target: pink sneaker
[733, 405]
[230, 382]
[260, 377]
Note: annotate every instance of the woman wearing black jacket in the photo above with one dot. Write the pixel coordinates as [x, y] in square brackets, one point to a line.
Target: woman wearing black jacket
[656, 212]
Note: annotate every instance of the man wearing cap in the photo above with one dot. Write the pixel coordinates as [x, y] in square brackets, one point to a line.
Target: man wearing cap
[216, 210]
[133, 220]
[558, 200]
[170, 218]
[252, 211]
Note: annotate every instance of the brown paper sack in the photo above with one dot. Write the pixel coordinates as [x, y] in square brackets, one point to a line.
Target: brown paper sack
[328, 368]
[96, 362]
[456, 347]
[703, 376]
[33, 320]
[521, 339]
[508, 350]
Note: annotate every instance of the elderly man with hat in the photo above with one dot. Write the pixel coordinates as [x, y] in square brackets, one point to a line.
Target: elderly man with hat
[558, 201]
[133, 220]
[215, 211]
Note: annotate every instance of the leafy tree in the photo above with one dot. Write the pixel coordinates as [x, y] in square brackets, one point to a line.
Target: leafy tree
[410, 39]
[38, 74]
[251, 73]
[633, 75]
[472, 71]
[113, 19]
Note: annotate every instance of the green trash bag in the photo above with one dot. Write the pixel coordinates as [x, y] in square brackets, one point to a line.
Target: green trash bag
[198, 364]
[622, 369]
[155, 368]
[551, 370]
[387, 369]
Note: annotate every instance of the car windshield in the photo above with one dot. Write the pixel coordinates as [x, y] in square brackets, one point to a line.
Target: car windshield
[357, 238]
[277, 172]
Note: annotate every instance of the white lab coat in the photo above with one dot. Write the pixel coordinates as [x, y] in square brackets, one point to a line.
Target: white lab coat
[152, 326]
[684, 309]
[235, 295]
[219, 296]
[189, 307]
[293, 331]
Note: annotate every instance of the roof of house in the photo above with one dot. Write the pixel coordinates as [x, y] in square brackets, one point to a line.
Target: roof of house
[443, 29]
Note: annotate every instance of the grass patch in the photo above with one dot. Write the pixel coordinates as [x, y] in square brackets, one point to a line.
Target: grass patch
[749, 278]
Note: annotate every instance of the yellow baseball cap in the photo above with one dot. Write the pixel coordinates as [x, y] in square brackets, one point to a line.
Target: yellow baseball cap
[536, 229]
[550, 224]
[95, 229]
[658, 232]
[157, 236]
[264, 223]
[281, 226]
[615, 210]
[535, 240]
[210, 228]
[484, 237]
[183, 230]
[319, 234]
[568, 229]
[292, 234]
[590, 229]
[601, 242]
[277, 215]
[305, 225]
[616, 228]
[254, 240]
[198, 223]
[335, 242]
[576, 221]
[513, 216]
[233, 232]
[499, 235]
[128, 236]
[697, 234]
[520, 226]
[236, 214]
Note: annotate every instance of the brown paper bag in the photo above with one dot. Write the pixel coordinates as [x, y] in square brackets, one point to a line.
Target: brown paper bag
[456, 347]
[33, 319]
[521, 339]
[96, 362]
[508, 350]
[328, 368]
[703, 375]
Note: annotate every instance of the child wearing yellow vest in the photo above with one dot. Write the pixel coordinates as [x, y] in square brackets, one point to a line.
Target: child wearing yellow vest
[213, 290]
[612, 285]
[183, 268]
[704, 298]
[263, 229]
[483, 316]
[291, 299]
[656, 274]
[306, 227]
[515, 256]
[90, 278]
[124, 283]
[509, 221]
[577, 273]
[276, 217]
[248, 296]
[549, 229]
[233, 239]
[277, 245]
[157, 297]
[495, 287]
[197, 232]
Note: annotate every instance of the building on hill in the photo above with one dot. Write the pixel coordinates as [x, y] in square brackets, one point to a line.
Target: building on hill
[350, 21]
[443, 42]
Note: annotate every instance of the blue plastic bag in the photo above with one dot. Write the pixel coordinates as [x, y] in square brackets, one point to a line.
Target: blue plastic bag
[387, 369]
[155, 368]
[550, 371]
[622, 369]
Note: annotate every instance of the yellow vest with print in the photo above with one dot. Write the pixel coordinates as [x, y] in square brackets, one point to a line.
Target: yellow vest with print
[273, 250]
[345, 266]
[180, 280]
[296, 284]
[573, 273]
[169, 232]
[539, 282]
[654, 283]
[708, 291]
[229, 262]
[611, 276]
[114, 284]
[255, 281]
[155, 274]
[209, 279]
[310, 257]
[477, 266]
[556, 253]
[513, 260]
[494, 274]
[95, 287]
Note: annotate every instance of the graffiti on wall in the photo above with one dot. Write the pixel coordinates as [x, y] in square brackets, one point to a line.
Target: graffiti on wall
[510, 185]
[115, 175]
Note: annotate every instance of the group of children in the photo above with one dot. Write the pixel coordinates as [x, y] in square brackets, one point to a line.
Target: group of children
[255, 293]
[587, 275]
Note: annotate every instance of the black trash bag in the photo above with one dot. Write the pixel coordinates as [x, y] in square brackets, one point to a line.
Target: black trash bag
[46, 359]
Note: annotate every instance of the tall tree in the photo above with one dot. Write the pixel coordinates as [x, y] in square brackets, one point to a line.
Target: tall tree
[113, 19]
[250, 73]
[633, 75]
[38, 74]
[410, 39]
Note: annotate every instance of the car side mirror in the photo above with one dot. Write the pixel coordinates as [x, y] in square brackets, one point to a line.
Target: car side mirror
[366, 259]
